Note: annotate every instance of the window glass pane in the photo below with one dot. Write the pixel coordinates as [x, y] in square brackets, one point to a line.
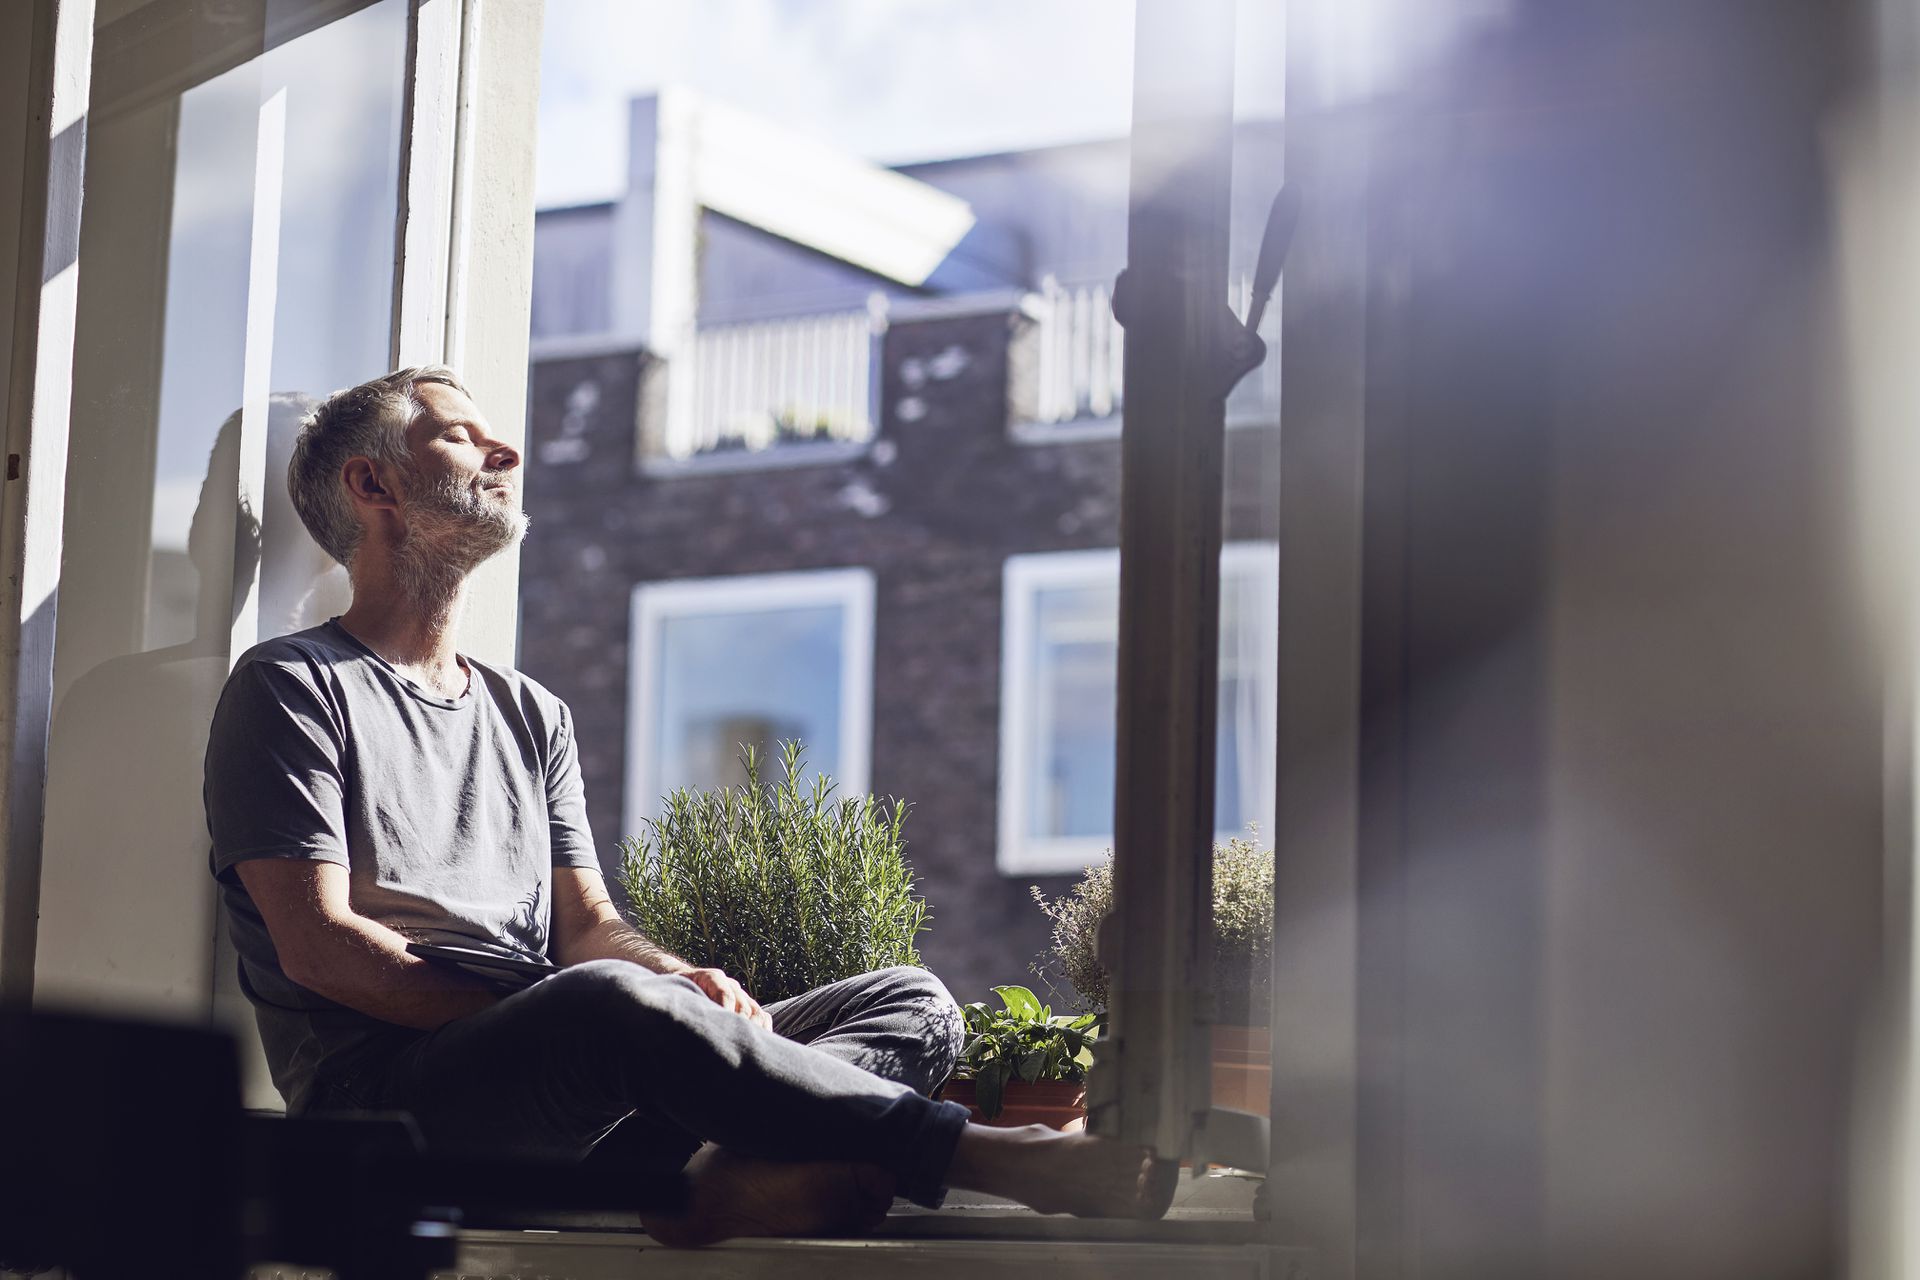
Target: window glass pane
[237, 241]
[340, 88]
[1067, 723]
[1246, 729]
[786, 323]
[732, 680]
[1074, 658]
[1244, 722]
[1245, 745]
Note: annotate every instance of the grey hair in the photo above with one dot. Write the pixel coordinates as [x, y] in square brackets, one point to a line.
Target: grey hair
[367, 421]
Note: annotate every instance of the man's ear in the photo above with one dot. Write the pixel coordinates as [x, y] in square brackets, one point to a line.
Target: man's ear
[366, 486]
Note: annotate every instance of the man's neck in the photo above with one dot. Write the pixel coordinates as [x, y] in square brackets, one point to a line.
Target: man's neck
[415, 630]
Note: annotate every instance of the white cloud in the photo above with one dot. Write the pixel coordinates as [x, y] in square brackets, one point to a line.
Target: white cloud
[887, 79]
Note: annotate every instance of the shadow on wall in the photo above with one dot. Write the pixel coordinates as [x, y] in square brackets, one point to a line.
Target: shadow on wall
[129, 736]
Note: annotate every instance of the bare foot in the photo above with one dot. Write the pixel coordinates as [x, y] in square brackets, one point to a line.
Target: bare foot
[734, 1195]
[1055, 1172]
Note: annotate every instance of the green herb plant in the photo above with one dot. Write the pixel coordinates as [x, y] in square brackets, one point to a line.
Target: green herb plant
[1022, 1040]
[1242, 931]
[785, 887]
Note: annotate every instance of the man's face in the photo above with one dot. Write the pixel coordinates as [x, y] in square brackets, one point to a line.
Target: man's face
[462, 482]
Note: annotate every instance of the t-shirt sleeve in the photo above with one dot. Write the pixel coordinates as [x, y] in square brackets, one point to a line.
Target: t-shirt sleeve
[569, 835]
[275, 774]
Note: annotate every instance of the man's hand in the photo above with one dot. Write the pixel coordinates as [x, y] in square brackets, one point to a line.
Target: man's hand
[729, 995]
[586, 927]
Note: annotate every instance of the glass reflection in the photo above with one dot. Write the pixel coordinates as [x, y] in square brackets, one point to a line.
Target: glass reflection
[732, 681]
[238, 237]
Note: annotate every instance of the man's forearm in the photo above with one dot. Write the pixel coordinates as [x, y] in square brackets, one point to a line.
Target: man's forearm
[618, 940]
[368, 969]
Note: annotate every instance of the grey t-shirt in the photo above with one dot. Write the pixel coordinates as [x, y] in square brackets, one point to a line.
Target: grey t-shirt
[449, 814]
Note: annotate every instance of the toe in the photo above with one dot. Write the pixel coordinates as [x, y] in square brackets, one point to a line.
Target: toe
[1158, 1182]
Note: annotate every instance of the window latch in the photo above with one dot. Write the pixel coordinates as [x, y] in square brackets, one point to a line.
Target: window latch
[1237, 346]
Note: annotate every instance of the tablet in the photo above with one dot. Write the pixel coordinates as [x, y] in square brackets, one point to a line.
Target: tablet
[508, 972]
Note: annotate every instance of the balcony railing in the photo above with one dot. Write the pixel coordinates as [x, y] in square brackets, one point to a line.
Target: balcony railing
[1081, 351]
[765, 383]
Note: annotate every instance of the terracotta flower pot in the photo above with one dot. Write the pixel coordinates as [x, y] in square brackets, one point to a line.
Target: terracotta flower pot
[1243, 1068]
[1057, 1104]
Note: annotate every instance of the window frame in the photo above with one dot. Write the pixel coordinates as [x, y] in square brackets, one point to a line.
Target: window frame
[462, 288]
[656, 602]
[1023, 577]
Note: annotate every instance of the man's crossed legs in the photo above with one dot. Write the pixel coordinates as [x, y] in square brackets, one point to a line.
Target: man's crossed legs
[812, 1128]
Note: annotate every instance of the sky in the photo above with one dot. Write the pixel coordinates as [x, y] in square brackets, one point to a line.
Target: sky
[342, 86]
[891, 80]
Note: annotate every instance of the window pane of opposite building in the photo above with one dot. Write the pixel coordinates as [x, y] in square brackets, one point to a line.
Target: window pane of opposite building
[1074, 657]
[739, 372]
[730, 681]
[722, 664]
[1062, 651]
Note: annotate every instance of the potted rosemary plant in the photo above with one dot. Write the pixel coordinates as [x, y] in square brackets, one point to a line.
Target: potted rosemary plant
[785, 887]
[1241, 981]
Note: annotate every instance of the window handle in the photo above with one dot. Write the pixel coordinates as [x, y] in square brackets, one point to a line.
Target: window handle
[1238, 345]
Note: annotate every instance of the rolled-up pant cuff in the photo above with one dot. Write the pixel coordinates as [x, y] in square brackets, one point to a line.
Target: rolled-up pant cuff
[923, 1179]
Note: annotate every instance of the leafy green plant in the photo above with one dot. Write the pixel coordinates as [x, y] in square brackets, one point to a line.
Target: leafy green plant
[785, 887]
[1022, 1040]
[1242, 956]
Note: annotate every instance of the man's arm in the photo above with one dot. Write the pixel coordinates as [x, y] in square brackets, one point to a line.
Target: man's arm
[587, 927]
[328, 948]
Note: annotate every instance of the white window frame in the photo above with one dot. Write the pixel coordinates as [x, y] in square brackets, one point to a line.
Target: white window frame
[1023, 578]
[462, 284]
[656, 602]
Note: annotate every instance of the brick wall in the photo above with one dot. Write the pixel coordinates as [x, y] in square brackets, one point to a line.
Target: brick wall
[933, 509]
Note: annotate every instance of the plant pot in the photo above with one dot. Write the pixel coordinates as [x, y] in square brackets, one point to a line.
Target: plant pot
[1057, 1104]
[1243, 1068]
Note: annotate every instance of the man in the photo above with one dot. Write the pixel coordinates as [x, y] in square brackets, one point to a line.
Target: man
[368, 786]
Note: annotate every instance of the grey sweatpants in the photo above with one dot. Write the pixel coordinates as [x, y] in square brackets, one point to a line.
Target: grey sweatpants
[609, 1051]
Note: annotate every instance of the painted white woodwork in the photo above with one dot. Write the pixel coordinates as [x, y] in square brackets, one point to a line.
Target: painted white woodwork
[687, 153]
[1316, 939]
[425, 233]
[491, 291]
[263, 293]
[1154, 1089]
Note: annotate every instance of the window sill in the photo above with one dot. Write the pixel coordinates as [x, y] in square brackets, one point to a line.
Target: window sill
[776, 457]
[1075, 432]
[1088, 430]
[1056, 857]
[1069, 857]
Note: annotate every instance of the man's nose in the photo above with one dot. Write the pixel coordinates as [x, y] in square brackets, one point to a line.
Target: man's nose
[503, 458]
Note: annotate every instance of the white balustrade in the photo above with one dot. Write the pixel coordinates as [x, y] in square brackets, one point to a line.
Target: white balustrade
[1081, 349]
[1082, 353]
[772, 382]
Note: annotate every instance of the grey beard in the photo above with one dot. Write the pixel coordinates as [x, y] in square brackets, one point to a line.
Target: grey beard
[451, 531]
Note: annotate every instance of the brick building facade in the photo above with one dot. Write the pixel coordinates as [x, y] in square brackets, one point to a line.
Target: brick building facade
[932, 505]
